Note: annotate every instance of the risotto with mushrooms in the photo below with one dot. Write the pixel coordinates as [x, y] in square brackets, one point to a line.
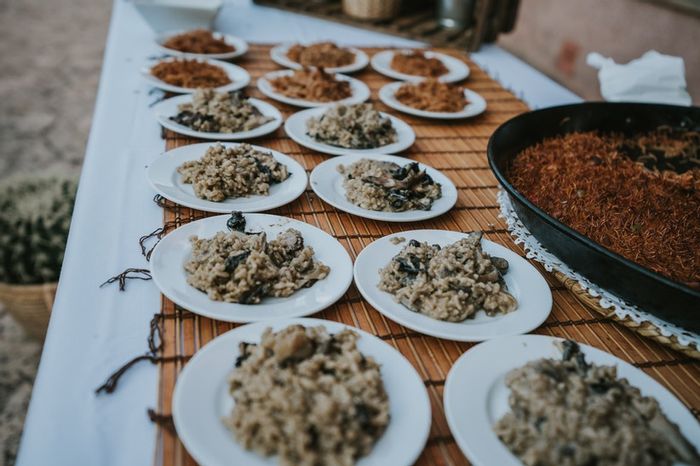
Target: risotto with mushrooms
[387, 186]
[219, 112]
[307, 396]
[358, 126]
[237, 171]
[240, 267]
[449, 283]
[570, 412]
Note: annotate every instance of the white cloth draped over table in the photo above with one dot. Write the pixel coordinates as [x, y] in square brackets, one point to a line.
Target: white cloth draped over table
[95, 330]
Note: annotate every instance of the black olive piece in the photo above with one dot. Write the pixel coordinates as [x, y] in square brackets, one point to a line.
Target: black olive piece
[539, 421]
[397, 198]
[569, 349]
[567, 450]
[414, 243]
[500, 263]
[410, 265]
[551, 373]
[402, 172]
[581, 362]
[327, 371]
[364, 417]
[252, 295]
[427, 179]
[601, 387]
[313, 437]
[233, 261]
[264, 169]
[245, 354]
[236, 222]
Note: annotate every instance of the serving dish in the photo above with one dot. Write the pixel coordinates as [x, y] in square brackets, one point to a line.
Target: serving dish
[523, 280]
[278, 54]
[327, 183]
[241, 46]
[239, 77]
[201, 400]
[476, 104]
[295, 127]
[169, 108]
[169, 275]
[476, 395]
[167, 181]
[360, 91]
[670, 300]
[457, 69]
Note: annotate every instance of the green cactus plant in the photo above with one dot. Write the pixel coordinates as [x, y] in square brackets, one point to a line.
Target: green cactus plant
[35, 214]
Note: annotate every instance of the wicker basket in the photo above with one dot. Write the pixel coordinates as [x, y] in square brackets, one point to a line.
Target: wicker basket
[30, 305]
[371, 9]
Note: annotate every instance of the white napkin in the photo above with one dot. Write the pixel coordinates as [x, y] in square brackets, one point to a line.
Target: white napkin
[654, 78]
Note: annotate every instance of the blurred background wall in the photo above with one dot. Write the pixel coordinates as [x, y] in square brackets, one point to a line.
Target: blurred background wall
[556, 35]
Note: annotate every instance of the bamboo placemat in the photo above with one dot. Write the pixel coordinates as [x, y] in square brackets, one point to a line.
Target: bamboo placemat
[459, 150]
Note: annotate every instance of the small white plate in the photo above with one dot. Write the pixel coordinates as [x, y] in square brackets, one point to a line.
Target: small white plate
[201, 400]
[360, 91]
[170, 255]
[457, 69]
[168, 108]
[295, 126]
[475, 106]
[238, 76]
[523, 280]
[240, 45]
[163, 176]
[279, 56]
[327, 183]
[476, 396]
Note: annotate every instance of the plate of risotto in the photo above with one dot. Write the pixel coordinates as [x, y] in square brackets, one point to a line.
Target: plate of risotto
[452, 285]
[223, 177]
[358, 129]
[312, 87]
[431, 98]
[383, 187]
[251, 267]
[545, 401]
[417, 65]
[218, 116]
[301, 392]
[327, 55]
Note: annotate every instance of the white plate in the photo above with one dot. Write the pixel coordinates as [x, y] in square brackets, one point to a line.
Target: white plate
[238, 76]
[475, 106]
[201, 399]
[279, 56]
[327, 183]
[240, 45]
[360, 91]
[170, 255]
[163, 176]
[523, 281]
[457, 69]
[295, 126]
[476, 396]
[168, 108]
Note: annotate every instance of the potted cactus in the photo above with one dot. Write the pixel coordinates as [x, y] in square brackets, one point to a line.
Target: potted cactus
[35, 213]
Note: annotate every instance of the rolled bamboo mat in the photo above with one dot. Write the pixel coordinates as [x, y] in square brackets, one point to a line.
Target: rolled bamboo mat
[457, 148]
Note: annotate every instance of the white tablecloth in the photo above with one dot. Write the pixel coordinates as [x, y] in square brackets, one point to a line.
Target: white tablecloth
[94, 330]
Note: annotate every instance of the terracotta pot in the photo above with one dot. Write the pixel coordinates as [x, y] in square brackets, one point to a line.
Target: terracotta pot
[30, 305]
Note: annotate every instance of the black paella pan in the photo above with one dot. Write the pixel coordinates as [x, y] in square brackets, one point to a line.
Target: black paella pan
[670, 300]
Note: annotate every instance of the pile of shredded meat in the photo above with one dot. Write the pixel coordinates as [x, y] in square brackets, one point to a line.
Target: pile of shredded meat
[190, 74]
[198, 41]
[313, 84]
[321, 55]
[432, 95]
[417, 63]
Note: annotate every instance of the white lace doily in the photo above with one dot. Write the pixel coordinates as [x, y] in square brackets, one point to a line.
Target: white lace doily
[534, 250]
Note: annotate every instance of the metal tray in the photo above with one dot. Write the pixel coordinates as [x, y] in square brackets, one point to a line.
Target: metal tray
[670, 300]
